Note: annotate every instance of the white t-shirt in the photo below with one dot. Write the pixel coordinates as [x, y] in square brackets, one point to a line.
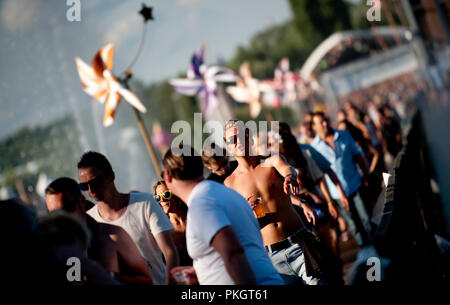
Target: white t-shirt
[213, 206]
[142, 220]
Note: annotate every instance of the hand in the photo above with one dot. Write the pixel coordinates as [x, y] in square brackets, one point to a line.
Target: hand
[309, 213]
[365, 181]
[344, 201]
[332, 209]
[290, 182]
[188, 272]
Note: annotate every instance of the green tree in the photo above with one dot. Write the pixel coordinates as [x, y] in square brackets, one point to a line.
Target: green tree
[317, 19]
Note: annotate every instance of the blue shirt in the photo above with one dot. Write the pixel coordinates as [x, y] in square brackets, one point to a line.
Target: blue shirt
[342, 162]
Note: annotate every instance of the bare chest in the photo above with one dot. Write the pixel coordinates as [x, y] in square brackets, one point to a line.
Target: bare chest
[261, 181]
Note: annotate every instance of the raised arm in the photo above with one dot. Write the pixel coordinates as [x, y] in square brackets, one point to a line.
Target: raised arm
[227, 244]
[284, 169]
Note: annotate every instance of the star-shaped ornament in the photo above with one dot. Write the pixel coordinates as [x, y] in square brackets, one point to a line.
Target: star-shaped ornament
[146, 12]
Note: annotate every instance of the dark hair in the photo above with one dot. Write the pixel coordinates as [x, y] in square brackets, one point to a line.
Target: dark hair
[284, 127]
[184, 167]
[70, 190]
[97, 160]
[320, 114]
[294, 155]
[61, 228]
[354, 131]
[18, 229]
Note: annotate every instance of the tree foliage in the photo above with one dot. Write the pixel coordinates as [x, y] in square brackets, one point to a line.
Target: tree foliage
[317, 19]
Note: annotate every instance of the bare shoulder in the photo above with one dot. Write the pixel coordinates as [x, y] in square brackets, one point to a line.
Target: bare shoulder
[275, 160]
[113, 232]
[229, 181]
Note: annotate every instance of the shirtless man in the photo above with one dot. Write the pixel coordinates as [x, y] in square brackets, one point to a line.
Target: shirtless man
[110, 246]
[275, 183]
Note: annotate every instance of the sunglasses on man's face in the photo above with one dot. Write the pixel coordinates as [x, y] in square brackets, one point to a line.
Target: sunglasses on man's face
[233, 139]
[164, 195]
[93, 183]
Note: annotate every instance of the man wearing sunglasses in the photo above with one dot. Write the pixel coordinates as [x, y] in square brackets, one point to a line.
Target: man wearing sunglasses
[274, 181]
[137, 213]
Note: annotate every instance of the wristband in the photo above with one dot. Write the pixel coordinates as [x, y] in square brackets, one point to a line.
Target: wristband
[330, 203]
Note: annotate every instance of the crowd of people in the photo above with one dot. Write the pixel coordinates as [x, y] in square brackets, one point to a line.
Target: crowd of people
[272, 209]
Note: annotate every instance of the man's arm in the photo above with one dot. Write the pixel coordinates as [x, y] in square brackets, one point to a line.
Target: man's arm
[336, 182]
[375, 158]
[167, 246]
[284, 169]
[301, 201]
[331, 207]
[130, 259]
[227, 244]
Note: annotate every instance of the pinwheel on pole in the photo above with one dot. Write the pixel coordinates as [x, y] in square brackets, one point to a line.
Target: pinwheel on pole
[203, 81]
[285, 81]
[99, 81]
[249, 90]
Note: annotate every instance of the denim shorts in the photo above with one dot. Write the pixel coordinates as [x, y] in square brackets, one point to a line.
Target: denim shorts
[290, 264]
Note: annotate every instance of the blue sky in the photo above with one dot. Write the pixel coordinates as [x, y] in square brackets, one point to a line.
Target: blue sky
[38, 79]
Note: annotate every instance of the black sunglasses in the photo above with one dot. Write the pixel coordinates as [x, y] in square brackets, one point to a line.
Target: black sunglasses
[166, 195]
[233, 139]
[94, 183]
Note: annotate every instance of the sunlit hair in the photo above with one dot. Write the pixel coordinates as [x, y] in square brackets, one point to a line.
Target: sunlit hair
[235, 124]
[160, 182]
[231, 123]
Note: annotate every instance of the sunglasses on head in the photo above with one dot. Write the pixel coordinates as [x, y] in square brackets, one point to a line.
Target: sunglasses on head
[166, 195]
[93, 183]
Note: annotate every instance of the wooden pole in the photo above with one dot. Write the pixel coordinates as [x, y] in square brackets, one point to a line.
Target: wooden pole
[391, 22]
[148, 143]
[268, 115]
